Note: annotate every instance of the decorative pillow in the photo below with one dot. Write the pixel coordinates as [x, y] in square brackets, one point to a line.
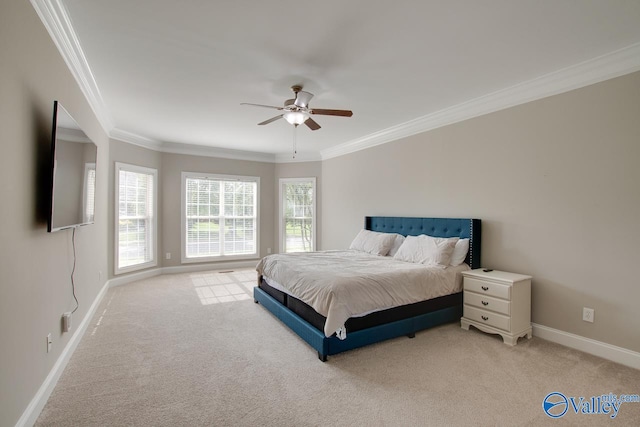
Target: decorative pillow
[423, 249]
[373, 242]
[459, 252]
[397, 242]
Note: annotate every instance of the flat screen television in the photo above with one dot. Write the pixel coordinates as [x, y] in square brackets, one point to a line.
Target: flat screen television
[73, 173]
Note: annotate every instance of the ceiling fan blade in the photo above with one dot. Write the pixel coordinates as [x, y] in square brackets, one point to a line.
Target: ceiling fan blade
[343, 113]
[302, 99]
[261, 105]
[312, 124]
[272, 119]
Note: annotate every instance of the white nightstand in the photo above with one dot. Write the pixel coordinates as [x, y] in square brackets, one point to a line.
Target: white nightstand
[497, 302]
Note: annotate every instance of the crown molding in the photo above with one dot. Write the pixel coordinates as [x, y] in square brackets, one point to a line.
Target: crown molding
[189, 149]
[55, 18]
[623, 61]
[605, 67]
[223, 153]
[299, 158]
[208, 151]
[135, 139]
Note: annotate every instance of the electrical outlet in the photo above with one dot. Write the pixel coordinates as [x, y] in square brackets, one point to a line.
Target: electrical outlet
[588, 314]
[268, 250]
[49, 342]
[168, 255]
[66, 321]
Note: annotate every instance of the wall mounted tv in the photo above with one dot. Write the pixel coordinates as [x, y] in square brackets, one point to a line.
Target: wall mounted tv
[73, 173]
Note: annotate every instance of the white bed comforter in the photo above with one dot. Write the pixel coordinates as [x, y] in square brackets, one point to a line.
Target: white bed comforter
[343, 284]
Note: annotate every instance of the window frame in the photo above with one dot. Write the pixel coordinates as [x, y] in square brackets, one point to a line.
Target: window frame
[153, 244]
[183, 218]
[281, 210]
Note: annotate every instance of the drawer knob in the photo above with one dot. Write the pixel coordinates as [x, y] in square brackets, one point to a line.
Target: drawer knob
[485, 318]
[485, 288]
[485, 303]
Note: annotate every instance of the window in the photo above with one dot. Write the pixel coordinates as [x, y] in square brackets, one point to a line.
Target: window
[297, 214]
[219, 217]
[89, 192]
[136, 226]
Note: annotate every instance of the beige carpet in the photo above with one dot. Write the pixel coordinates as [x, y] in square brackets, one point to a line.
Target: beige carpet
[194, 349]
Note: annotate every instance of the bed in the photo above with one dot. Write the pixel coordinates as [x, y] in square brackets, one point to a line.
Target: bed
[378, 325]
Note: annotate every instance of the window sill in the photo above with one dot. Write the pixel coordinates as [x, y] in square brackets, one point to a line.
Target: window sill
[222, 258]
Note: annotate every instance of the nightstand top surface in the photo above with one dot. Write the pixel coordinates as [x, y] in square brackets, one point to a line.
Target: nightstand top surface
[497, 275]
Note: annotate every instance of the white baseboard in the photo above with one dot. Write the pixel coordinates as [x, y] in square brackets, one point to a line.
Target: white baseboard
[33, 410]
[597, 348]
[134, 277]
[31, 414]
[203, 267]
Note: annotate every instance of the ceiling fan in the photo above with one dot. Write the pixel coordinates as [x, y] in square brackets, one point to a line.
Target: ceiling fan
[296, 111]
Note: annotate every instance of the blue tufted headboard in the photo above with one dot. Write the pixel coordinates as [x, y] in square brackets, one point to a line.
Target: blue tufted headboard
[437, 227]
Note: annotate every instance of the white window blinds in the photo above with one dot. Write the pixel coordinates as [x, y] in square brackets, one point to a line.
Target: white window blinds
[220, 216]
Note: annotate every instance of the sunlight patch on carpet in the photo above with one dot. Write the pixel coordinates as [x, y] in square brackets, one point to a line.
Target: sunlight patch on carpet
[217, 287]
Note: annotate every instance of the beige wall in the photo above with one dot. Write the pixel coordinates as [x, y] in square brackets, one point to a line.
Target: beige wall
[298, 170]
[172, 167]
[35, 266]
[555, 183]
[123, 152]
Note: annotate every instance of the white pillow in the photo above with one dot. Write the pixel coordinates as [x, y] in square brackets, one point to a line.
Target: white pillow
[373, 242]
[459, 252]
[397, 242]
[423, 249]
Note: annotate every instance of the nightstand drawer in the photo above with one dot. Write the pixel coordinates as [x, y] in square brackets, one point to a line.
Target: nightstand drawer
[487, 303]
[487, 288]
[486, 317]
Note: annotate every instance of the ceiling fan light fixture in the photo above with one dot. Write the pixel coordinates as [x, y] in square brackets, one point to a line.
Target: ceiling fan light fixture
[295, 117]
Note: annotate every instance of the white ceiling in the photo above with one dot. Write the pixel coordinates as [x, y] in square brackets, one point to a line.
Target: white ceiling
[169, 72]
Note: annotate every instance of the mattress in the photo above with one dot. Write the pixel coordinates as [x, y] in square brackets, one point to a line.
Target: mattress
[340, 285]
[359, 323]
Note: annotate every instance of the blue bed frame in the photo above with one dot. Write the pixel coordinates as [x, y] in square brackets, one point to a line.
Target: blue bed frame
[407, 226]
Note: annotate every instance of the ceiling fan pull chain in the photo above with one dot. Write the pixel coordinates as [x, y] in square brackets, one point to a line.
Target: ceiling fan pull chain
[295, 142]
